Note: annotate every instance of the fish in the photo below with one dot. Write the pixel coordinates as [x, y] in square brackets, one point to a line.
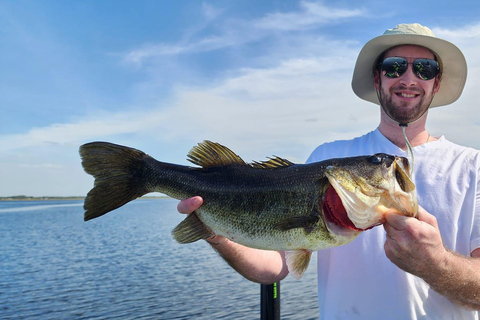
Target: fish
[272, 205]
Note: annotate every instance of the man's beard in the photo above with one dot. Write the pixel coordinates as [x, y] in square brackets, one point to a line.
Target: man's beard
[401, 112]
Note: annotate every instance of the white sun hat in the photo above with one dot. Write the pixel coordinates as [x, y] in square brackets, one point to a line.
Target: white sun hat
[452, 62]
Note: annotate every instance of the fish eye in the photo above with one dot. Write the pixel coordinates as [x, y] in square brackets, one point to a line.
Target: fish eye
[375, 159]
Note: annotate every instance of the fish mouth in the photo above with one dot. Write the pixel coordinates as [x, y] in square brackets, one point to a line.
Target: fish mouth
[334, 212]
[367, 199]
[403, 190]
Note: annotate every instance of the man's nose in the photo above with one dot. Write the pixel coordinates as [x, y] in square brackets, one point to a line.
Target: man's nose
[409, 78]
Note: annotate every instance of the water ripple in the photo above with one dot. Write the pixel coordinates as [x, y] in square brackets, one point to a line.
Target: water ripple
[124, 265]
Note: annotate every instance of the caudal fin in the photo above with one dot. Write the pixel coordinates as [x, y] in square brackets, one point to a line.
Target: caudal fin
[118, 176]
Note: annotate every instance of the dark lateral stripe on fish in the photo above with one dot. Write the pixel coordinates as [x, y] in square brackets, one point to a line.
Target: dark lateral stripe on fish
[306, 222]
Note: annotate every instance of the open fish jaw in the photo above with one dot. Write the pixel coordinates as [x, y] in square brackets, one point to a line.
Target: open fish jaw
[367, 199]
[361, 209]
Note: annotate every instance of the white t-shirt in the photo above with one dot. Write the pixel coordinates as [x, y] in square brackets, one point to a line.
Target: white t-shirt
[357, 281]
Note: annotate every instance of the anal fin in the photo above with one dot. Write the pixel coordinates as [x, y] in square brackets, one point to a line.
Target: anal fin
[297, 262]
[191, 229]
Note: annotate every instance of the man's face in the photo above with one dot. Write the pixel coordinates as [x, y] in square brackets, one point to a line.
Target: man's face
[406, 98]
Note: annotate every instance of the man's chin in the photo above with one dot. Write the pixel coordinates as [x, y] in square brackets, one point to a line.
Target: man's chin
[405, 117]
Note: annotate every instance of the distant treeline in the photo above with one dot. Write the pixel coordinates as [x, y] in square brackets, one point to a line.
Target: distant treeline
[22, 197]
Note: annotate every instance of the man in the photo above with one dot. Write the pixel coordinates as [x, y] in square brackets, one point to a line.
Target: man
[435, 272]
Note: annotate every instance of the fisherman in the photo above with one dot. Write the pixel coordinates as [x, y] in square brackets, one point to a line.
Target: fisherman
[435, 272]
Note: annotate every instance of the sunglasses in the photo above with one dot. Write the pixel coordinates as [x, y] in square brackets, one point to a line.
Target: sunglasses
[425, 69]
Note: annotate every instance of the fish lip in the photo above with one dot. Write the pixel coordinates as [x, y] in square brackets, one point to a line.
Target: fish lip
[407, 187]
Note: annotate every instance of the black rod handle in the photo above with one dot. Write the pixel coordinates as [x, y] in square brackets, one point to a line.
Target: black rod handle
[270, 301]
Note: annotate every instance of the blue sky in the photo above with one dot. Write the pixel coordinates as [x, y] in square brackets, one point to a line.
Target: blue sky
[261, 77]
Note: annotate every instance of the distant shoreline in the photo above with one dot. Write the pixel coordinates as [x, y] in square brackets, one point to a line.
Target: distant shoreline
[27, 198]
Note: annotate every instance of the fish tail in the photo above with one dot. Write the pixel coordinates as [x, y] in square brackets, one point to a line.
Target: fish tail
[118, 173]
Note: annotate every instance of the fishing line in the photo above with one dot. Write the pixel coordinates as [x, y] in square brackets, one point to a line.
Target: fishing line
[403, 125]
[409, 146]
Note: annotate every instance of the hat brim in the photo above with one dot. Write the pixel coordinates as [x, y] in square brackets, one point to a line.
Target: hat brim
[452, 62]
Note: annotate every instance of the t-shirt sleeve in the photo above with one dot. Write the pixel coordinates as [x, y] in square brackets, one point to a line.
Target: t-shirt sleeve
[315, 156]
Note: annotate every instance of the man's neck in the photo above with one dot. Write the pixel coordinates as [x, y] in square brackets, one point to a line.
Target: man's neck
[416, 132]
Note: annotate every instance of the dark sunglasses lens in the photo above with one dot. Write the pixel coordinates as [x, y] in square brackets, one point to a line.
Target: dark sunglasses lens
[394, 67]
[426, 69]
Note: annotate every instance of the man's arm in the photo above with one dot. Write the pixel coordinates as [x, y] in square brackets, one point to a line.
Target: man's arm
[262, 266]
[415, 245]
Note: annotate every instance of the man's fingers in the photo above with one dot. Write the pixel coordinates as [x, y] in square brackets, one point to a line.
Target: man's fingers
[424, 216]
[399, 222]
[189, 205]
[395, 220]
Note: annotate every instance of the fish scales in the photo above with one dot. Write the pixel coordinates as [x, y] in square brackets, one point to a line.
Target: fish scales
[272, 205]
[250, 201]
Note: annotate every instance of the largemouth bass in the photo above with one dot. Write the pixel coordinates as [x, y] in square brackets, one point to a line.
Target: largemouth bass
[272, 205]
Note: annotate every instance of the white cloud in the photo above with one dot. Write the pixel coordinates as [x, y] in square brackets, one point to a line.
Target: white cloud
[294, 92]
[459, 122]
[467, 38]
[310, 15]
[66, 133]
[465, 33]
[211, 12]
[296, 103]
[235, 32]
[137, 56]
[284, 108]
[294, 78]
[295, 96]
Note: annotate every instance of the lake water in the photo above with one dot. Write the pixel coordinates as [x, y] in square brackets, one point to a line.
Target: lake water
[124, 265]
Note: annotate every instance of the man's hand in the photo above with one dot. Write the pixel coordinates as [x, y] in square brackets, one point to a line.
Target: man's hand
[189, 205]
[414, 245]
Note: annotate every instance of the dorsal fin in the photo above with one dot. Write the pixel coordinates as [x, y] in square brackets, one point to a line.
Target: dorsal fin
[210, 154]
[275, 162]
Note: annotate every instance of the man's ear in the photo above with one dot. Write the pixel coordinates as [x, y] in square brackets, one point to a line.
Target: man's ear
[436, 85]
[376, 80]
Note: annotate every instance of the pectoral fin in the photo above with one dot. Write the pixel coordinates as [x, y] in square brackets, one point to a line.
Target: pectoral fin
[191, 229]
[297, 262]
